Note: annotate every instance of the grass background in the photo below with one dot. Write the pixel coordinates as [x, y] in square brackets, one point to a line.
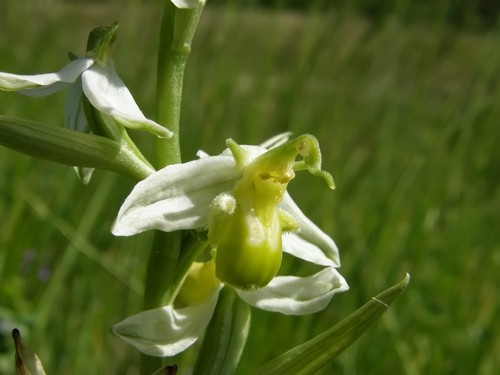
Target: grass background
[407, 115]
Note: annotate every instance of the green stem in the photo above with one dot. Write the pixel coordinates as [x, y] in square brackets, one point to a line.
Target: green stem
[160, 277]
[177, 31]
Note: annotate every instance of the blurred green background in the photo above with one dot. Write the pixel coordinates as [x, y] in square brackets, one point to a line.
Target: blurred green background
[404, 98]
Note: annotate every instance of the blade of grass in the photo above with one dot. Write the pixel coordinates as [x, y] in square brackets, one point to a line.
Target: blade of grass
[312, 355]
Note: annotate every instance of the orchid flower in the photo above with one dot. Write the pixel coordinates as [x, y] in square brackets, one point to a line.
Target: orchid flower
[94, 77]
[240, 197]
[97, 102]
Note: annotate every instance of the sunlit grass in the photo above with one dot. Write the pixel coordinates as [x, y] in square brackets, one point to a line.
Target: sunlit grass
[407, 117]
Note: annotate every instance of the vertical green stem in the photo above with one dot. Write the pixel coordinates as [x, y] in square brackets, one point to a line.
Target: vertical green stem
[160, 277]
[177, 31]
[169, 90]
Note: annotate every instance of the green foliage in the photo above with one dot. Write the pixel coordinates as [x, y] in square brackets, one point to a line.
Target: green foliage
[407, 119]
[70, 147]
[312, 355]
[225, 336]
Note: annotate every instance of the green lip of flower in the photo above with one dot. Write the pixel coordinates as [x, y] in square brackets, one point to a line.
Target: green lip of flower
[180, 197]
[247, 236]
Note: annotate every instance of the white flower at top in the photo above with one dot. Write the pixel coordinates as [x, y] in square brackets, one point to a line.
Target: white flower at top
[188, 4]
[94, 77]
[240, 197]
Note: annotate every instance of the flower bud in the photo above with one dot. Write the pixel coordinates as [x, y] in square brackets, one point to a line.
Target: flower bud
[198, 285]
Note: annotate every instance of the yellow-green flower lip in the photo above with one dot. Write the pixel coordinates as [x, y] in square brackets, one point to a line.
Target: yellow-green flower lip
[248, 240]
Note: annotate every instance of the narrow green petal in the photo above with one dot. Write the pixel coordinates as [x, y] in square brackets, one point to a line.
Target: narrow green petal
[99, 42]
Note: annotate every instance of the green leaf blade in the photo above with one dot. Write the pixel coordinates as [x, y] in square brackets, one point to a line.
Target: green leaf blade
[312, 355]
[225, 336]
[69, 147]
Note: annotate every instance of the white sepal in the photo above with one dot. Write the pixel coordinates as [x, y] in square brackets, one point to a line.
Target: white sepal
[165, 331]
[300, 248]
[293, 295]
[176, 197]
[44, 84]
[107, 92]
[309, 231]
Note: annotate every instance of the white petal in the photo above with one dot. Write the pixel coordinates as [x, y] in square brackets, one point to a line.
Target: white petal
[255, 151]
[300, 248]
[277, 140]
[74, 114]
[176, 197]
[310, 232]
[165, 332]
[187, 4]
[252, 152]
[107, 92]
[45, 84]
[293, 295]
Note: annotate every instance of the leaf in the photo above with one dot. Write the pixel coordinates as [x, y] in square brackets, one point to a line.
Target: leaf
[312, 355]
[225, 336]
[70, 147]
